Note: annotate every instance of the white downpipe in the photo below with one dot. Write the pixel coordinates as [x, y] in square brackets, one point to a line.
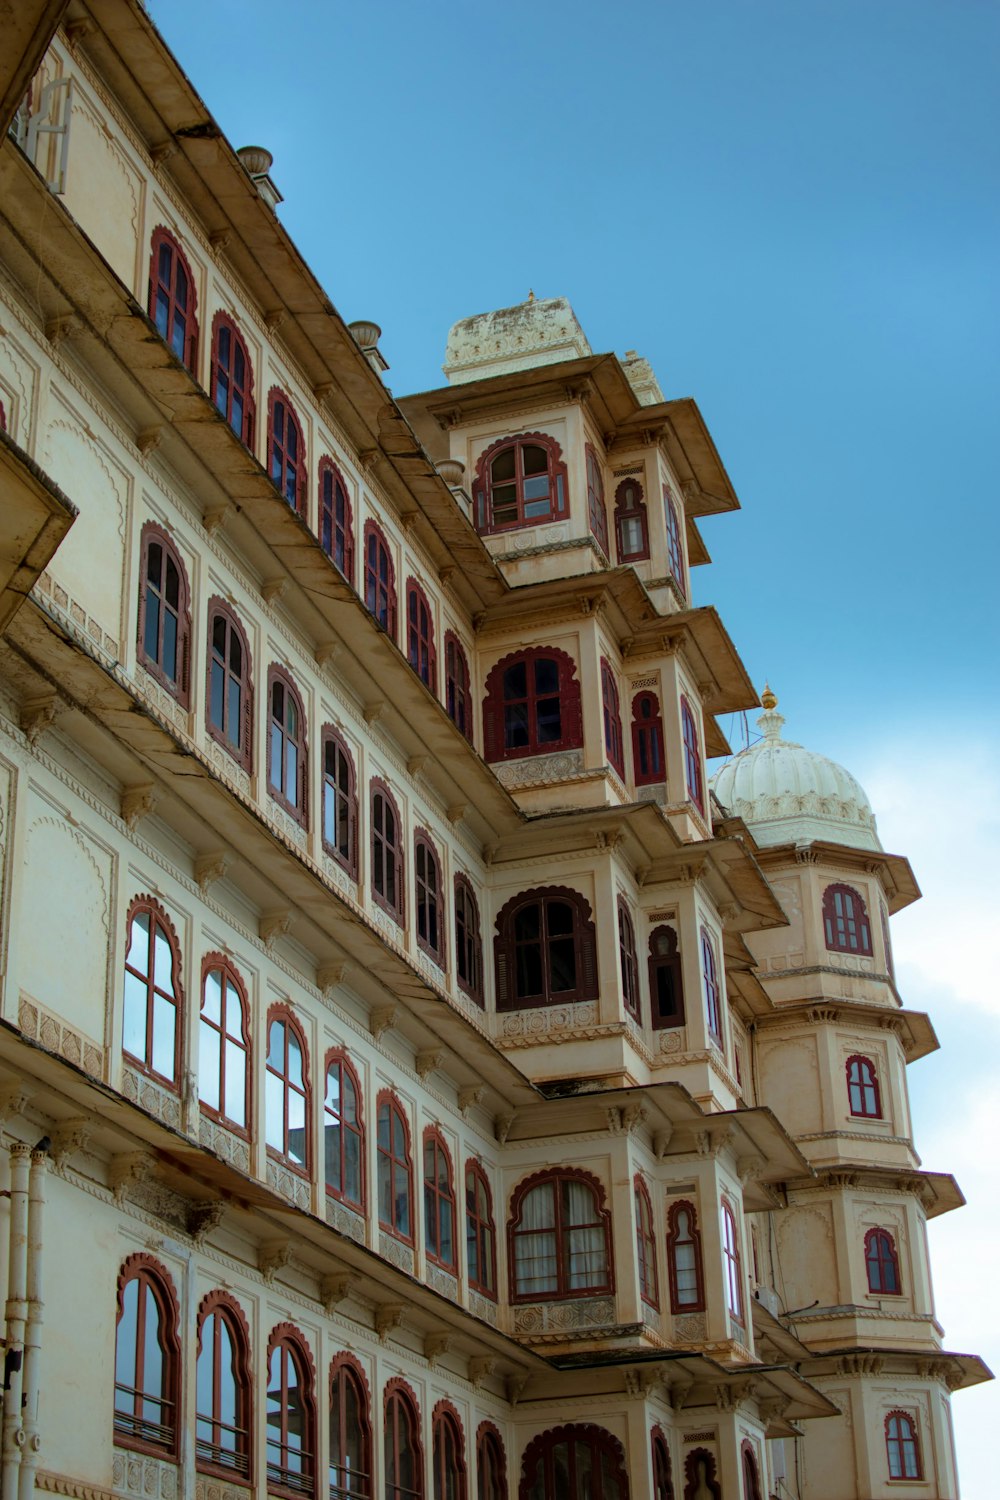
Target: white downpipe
[33, 1327]
[12, 1437]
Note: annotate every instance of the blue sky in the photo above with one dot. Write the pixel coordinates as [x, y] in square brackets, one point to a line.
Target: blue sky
[792, 208]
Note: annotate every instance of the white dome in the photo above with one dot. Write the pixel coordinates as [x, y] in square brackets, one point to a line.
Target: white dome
[787, 794]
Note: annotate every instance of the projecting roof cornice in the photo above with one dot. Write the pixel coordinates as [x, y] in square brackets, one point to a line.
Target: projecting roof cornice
[956, 1371]
[34, 517]
[938, 1192]
[913, 1027]
[892, 870]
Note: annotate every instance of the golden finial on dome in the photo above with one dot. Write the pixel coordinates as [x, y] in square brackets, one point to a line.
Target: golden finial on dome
[767, 698]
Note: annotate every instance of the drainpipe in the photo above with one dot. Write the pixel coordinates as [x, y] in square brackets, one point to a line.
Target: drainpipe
[33, 1327]
[12, 1433]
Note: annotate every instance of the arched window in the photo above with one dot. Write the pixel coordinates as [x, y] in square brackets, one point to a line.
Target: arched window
[404, 1458]
[648, 763]
[751, 1474]
[700, 1476]
[164, 613]
[480, 1232]
[612, 719]
[336, 535]
[420, 649]
[545, 949]
[468, 941]
[629, 962]
[710, 980]
[151, 1030]
[882, 1263]
[291, 1415]
[692, 757]
[649, 1281]
[439, 1203]
[675, 551]
[560, 1237]
[340, 802]
[458, 692]
[520, 482]
[862, 1088]
[902, 1446]
[732, 1263]
[230, 684]
[287, 1090]
[631, 524]
[684, 1263]
[576, 1460]
[343, 1132]
[287, 766]
[224, 1044]
[532, 705]
[147, 1357]
[232, 378]
[663, 1483]
[845, 921]
[430, 916]
[380, 579]
[172, 304]
[666, 983]
[395, 1170]
[350, 1431]
[596, 512]
[448, 1453]
[286, 450]
[387, 851]
[491, 1464]
[224, 1400]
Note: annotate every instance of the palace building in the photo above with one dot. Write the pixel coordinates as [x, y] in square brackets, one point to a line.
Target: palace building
[419, 1078]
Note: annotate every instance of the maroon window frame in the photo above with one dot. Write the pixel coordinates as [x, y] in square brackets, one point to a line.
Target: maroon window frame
[666, 980]
[336, 532]
[229, 686]
[224, 1057]
[631, 522]
[613, 741]
[559, 1237]
[428, 893]
[224, 1390]
[343, 1131]
[701, 1474]
[845, 921]
[520, 481]
[350, 1464]
[291, 1414]
[732, 1261]
[231, 378]
[421, 652]
[287, 1127]
[286, 450]
[491, 1464]
[882, 1263]
[468, 941]
[287, 745]
[649, 1278]
[164, 630]
[545, 949]
[173, 303]
[751, 1473]
[386, 851]
[450, 1479]
[576, 1459]
[147, 1369]
[684, 1261]
[675, 551]
[532, 705]
[403, 1450]
[693, 777]
[153, 1008]
[596, 512]
[380, 579]
[649, 764]
[887, 941]
[395, 1169]
[710, 981]
[902, 1446]
[340, 801]
[3, 418]
[863, 1091]
[628, 960]
[480, 1232]
[440, 1226]
[663, 1480]
[458, 689]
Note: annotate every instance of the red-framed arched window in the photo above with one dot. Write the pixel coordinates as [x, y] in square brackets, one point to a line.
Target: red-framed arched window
[336, 533]
[350, 1431]
[628, 960]
[172, 298]
[147, 1358]
[343, 1132]
[287, 749]
[286, 450]
[480, 1232]
[230, 684]
[732, 1263]
[224, 1044]
[491, 1464]
[448, 1454]
[532, 705]
[386, 851]
[701, 1476]
[649, 1280]
[421, 652]
[845, 921]
[684, 1262]
[340, 801]
[468, 940]
[3, 417]
[291, 1414]
[458, 690]
[613, 741]
[403, 1451]
[545, 949]
[596, 513]
[439, 1202]
[579, 1459]
[286, 1127]
[520, 481]
[862, 1088]
[224, 1389]
[164, 636]
[710, 982]
[902, 1446]
[663, 1481]
[751, 1472]
[151, 1024]
[232, 377]
[380, 578]
[559, 1237]
[395, 1169]
[666, 980]
[882, 1263]
[649, 764]
[693, 778]
[631, 522]
[428, 892]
